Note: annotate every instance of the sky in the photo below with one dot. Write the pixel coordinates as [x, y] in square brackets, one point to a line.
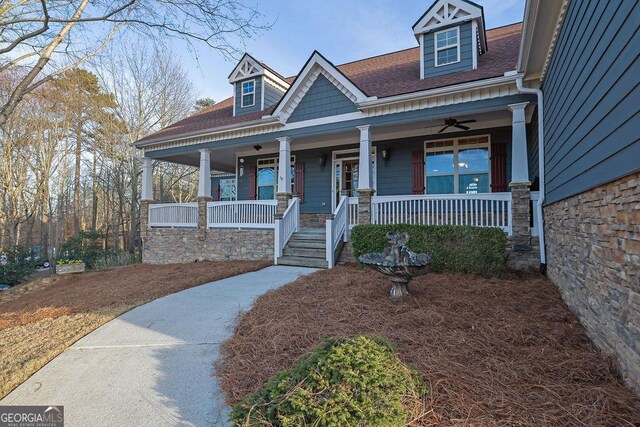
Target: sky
[342, 30]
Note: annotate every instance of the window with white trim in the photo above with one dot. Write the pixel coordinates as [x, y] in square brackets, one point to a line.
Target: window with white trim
[227, 189]
[457, 165]
[267, 177]
[447, 46]
[248, 96]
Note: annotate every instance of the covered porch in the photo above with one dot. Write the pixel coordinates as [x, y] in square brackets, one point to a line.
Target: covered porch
[381, 174]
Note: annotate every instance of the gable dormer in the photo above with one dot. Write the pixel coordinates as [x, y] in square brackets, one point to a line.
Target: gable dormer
[255, 86]
[452, 36]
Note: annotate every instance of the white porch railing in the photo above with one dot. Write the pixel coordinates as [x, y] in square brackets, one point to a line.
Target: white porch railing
[535, 195]
[353, 211]
[337, 229]
[285, 227]
[173, 215]
[241, 214]
[482, 210]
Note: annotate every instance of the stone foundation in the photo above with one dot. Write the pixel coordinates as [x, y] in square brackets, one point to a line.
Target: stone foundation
[593, 256]
[520, 260]
[314, 220]
[173, 245]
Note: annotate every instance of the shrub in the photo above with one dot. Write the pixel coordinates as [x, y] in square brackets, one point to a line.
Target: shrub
[116, 259]
[19, 264]
[453, 248]
[344, 382]
[85, 246]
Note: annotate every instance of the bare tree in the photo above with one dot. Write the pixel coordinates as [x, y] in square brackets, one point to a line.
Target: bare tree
[151, 91]
[44, 38]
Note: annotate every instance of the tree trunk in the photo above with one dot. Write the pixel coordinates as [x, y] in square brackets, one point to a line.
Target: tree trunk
[76, 179]
[94, 190]
[135, 218]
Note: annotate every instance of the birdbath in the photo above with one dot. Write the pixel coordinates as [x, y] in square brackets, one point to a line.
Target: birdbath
[399, 263]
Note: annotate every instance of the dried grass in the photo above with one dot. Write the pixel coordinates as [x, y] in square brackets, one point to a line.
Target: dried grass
[496, 352]
[39, 324]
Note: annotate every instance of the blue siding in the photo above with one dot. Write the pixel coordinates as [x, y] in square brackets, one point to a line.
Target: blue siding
[257, 106]
[592, 112]
[466, 54]
[323, 99]
[271, 95]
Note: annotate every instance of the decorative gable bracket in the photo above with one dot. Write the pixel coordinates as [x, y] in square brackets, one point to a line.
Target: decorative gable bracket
[246, 68]
[445, 13]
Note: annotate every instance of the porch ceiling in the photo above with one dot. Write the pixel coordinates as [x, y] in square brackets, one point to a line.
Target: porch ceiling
[224, 158]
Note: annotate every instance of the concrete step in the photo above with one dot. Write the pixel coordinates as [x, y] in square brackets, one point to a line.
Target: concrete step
[308, 236]
[305, 252]
[302, 262]
[308, 244]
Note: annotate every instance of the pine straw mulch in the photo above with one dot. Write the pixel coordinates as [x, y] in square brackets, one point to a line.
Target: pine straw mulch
[495, 351]
[54, 312]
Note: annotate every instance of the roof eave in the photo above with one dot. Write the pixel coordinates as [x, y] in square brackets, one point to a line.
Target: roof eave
[263, 121]
[506, 78]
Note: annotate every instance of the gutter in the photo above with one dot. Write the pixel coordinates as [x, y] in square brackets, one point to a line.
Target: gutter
[538, 93]
[510, 78]
[265, 120]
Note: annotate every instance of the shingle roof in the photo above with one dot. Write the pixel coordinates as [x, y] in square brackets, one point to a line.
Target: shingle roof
[395, 73]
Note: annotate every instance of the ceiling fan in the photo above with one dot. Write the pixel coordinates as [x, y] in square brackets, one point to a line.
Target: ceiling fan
[451, 122]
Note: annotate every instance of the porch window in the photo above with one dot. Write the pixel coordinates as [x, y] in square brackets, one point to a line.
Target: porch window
[447, 46]
[248, 93]
[227, 189]
[459, 165]
[267, 178]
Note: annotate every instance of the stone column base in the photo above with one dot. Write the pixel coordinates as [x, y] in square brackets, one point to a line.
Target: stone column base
[283, 202]
[364, 205]
[202, 217]
[521, 217]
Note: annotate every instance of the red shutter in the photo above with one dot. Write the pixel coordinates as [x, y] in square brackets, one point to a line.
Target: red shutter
[299, 181]
[218, 193]
[251, 176]
[418, 172]
[498, 168]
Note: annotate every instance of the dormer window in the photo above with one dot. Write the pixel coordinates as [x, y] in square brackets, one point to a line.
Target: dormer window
[248, 93]
[447, 46]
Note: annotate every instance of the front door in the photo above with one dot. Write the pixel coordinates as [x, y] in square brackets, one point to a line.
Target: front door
[346, 178]
[346, 167]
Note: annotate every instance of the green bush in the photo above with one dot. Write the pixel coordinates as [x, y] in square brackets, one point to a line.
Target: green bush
[85, 246]
[344, 382]
[453, 248]
[19, 264]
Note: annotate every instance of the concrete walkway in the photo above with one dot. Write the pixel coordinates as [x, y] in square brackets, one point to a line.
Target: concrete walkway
[152, 366]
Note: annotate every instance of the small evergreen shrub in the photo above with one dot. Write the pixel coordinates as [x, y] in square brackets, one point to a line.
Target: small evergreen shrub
[453, 248]
[344, 382]
[20, 263]
[86, 246]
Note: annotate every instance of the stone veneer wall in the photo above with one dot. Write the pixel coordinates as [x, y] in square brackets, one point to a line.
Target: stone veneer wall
[593, 256]
[173, 245]
[314, 220]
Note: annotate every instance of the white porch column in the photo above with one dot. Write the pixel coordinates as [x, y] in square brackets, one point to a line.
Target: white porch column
[519, 155]
[147, 179]
[204, 179]
[364, 176]
[284, 162]
[521, 249]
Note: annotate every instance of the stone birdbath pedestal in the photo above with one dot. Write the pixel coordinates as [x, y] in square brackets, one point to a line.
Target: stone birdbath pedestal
[399, 263]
